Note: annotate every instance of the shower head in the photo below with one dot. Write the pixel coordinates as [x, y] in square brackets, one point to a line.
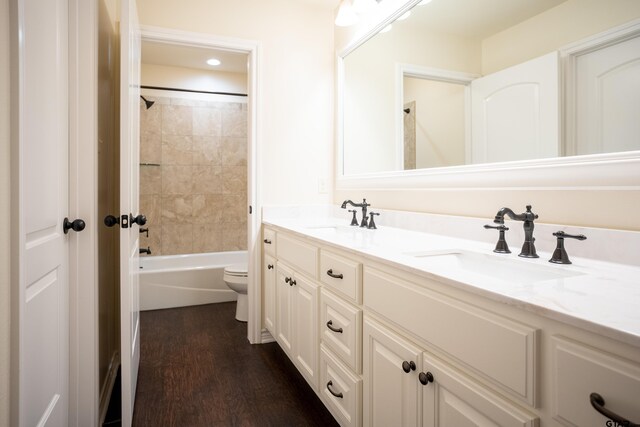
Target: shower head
[147, 102]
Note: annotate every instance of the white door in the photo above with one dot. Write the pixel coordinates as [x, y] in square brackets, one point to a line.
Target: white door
[515, 112]
[391, 395]
[129, 183]
[43, 167]
[606, 101]
[305, 324]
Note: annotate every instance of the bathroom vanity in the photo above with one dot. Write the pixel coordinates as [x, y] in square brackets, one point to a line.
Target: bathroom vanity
[394, 327]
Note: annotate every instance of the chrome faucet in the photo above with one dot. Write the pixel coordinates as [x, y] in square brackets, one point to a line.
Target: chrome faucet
[528, 247]
[362, 205]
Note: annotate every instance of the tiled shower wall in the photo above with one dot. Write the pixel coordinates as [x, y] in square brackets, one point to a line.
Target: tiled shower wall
[195, 200]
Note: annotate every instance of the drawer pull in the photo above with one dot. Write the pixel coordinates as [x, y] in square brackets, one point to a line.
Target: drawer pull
[597, 402]
[270, 266]
[339, 395]
[338, 330]
[267, 241]
[335, 276]
[425, 378]
[408, 366]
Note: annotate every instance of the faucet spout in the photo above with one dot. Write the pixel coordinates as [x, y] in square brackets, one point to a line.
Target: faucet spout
[362, 205]
[528, 248]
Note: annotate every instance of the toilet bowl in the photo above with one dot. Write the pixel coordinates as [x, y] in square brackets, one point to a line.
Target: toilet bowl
[236, 278]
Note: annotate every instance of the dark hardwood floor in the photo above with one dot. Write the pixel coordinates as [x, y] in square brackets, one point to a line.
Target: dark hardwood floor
[198, 369]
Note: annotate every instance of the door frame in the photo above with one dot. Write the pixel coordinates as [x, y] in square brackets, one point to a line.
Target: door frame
[253, 49]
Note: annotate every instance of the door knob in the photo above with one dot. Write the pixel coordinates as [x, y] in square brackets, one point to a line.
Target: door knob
[140, 219]
[111, 220]
[76, 225]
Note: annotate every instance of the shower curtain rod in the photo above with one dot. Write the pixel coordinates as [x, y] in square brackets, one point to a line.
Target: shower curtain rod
[192, 91]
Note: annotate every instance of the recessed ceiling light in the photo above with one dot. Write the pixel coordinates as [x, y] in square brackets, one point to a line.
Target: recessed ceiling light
[213, 61]
[385, 29]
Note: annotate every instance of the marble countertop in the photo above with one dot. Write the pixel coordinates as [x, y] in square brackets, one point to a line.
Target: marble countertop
[602, 297]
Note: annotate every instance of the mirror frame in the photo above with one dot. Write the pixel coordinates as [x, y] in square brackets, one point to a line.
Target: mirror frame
[613, 171]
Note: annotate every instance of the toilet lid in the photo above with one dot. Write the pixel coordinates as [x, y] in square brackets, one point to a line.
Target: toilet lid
[236, 270]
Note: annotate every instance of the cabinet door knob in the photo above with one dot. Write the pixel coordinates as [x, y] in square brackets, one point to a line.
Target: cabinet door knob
[408, 366]
[339, 395]
[293, 282]
[425, 378]
[335, 276]
[287, 279]
[329, 325]
[270, 266]
[597, 402]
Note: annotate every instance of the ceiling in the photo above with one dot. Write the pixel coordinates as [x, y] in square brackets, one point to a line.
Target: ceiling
[192, 57]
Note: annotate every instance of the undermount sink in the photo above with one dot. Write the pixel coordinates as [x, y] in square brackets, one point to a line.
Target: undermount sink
[494, 266]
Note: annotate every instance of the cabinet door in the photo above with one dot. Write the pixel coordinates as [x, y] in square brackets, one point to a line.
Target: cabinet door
[305, 328]
[269, 275]
[391, 395]
[452, 400]
[284, 309]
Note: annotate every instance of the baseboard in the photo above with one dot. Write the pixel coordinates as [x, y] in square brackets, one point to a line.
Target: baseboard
[266, 337]
[107, 387]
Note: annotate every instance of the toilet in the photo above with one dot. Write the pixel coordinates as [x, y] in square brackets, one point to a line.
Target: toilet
[236, 278]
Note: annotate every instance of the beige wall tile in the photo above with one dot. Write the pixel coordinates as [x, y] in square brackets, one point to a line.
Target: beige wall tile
[177, 150]
[150, 180]
[177, 179]
[207, 209]
[150, 144]
[234, 123]
[207, 179]
[150, 207]
[154, 241]
[189, 102]
[177, 209]
[234, 208]
[206, 121]
[234, 180]
[234, 151]
[234, 238]
[176, 120]
[207, 238]
[207, 150]
[177, 239]
[151, 119]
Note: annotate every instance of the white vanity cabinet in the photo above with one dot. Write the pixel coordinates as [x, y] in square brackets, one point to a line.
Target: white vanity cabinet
[383, 345]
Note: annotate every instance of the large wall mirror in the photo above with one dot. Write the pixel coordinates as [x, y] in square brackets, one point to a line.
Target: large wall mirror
[456, 85]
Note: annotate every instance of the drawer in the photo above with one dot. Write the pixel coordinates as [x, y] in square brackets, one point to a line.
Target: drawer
[340, 390]
[341, 326]
[298, 254]
[342, 275]
[579, 371]
[269, 241]
[496, 348]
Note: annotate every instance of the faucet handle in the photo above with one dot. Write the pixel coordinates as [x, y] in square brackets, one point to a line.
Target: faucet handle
[560, 255]
[372, 224]
[354, 220]
[501, 246]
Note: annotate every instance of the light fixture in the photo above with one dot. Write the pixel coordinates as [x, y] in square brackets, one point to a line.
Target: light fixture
[404, 15]
[346, 15]
[214, 61]
[364, 6]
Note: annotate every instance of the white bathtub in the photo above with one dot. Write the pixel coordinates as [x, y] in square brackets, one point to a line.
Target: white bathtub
[181, 280]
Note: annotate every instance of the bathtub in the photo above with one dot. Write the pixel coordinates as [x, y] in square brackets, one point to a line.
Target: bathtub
[182, 280]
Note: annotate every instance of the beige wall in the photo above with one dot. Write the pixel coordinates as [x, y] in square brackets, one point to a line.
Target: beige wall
[4, 213]
[589, 207]
[188, 78]
[569, 22]
[296, 40]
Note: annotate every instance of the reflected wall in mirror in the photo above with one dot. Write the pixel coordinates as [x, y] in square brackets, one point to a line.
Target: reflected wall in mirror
[455, 61]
